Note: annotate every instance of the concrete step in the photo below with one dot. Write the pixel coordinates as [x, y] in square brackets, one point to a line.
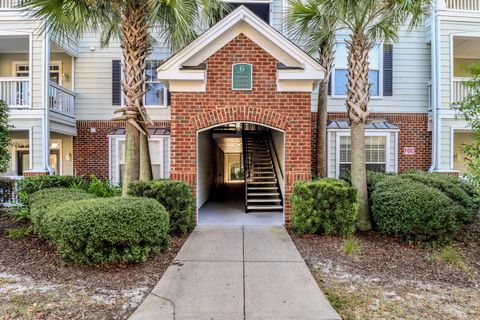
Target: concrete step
[262, 188]
[262, 194]
[266, 207]
[264, 200]
[261, 182]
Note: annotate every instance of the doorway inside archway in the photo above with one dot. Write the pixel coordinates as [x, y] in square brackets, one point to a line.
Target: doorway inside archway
[240, 175]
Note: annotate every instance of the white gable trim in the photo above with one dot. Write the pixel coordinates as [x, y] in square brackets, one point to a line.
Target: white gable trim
[240, 21]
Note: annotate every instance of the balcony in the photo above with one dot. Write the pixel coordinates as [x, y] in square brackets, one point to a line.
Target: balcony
[15, 92]
[10, 4]
[462, 5]
[459, 90]
[61, 100]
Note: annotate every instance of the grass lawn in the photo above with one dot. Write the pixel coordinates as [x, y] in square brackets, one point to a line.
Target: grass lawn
[36, 284]
[375, 277]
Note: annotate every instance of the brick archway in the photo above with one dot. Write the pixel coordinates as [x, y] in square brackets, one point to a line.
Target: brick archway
[256, 115]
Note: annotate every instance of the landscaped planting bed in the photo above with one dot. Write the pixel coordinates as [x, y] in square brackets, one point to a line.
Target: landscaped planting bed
[36, 284]
[385, 278]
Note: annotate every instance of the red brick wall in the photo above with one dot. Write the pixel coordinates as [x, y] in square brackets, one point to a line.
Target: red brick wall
[263, 104]
[90, 149]
[413, 133]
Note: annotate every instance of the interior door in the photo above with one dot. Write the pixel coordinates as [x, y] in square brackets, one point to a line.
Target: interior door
[55, 161]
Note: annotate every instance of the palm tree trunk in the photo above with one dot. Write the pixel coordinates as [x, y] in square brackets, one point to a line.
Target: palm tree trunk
[357, 107]
[135, 48]
[321, 143]
[146, 173]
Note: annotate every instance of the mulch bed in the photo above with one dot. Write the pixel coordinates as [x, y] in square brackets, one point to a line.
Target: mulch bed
[390, 260]
[36, 259]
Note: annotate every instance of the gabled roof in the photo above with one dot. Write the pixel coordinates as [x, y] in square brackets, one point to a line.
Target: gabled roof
[298, 65]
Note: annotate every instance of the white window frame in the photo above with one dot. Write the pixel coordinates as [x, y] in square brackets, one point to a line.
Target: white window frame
[15, 64]
[380, 74]
[113, 139]
[386, 134]
[165, 91]
[60, 71]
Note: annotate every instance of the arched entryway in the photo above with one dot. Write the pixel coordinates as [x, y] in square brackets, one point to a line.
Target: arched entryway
[240, 174]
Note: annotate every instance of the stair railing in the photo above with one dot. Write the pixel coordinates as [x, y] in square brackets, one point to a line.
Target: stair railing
[276, 164]
[246, 167]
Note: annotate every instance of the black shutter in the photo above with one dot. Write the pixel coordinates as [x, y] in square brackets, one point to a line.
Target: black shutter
[116, 82]
[330, 85]
[388, 70]
[169, 98]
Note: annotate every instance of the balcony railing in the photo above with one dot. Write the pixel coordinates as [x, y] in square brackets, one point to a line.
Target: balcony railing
[463, 5]
[15, 92]
[10, 4]
[61, 100]
[459, 90]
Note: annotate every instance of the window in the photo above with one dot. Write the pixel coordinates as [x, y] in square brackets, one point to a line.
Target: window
[341, 70]
[159, 156]
[156, 94]
[55, 72]
[22, 70]
[375, 149]
[261, 9]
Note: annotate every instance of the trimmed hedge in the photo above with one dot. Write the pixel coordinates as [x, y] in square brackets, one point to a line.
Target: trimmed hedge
[30, 185]
[43, 201]
[453, 189]
[175, 196]
[324, 206]
[108, 230]
[412, 210]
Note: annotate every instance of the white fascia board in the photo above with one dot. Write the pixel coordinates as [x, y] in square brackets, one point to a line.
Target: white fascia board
[244, 15]
[26, 114]
[300, 75]
[190, 75]
[295, 86]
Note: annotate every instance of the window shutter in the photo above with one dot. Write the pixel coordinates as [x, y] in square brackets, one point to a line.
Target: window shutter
[330, 85]
[116, 82]
[388, 70]
[169, 98]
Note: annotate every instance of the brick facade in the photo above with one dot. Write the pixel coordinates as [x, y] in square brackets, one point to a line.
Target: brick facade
[91, 149]
[413, 133]
[286, 111]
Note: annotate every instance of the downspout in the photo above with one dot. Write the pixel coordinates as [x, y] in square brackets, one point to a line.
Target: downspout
[45, 102]
[436, 86]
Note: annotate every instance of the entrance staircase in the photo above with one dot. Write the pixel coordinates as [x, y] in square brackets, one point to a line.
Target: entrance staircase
[263, 191]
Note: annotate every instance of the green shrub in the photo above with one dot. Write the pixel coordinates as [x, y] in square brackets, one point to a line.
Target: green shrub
[373, 177]
[30, 185]
[175, 196]
[101, 188]
[324, 206]
[413, 210]
[43, 201]
[108, 230]
[454, 189]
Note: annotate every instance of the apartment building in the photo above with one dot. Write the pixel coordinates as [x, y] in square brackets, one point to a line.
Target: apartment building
[237, 106]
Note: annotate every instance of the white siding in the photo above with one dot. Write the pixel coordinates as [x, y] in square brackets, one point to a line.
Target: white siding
[411, 74]
[446, 140]
[332, 154]
[93, 79]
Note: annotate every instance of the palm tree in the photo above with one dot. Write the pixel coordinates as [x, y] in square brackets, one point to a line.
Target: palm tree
[369, 22]
[132, 22]
[316, 32]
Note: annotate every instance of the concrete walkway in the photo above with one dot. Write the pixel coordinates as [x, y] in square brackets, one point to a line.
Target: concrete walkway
[237, 273]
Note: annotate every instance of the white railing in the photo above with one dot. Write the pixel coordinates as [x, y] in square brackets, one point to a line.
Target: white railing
[15, 92]
[61, 100]
[459, 90]
[463, 5]
[9, 4]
